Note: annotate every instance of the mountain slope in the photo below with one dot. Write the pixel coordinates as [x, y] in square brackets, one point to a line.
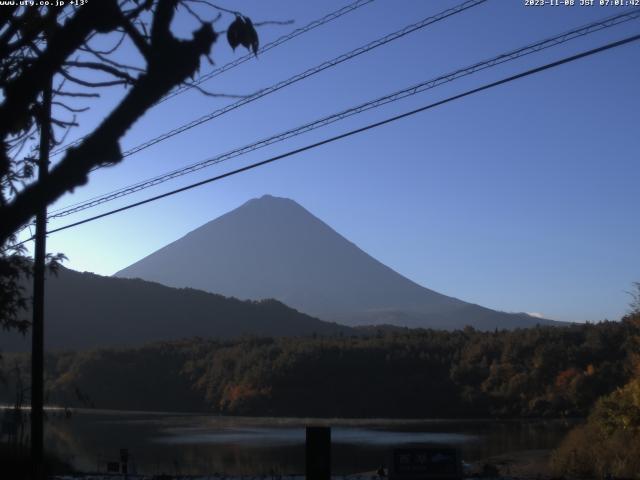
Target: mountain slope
[84, 310]
[273, 248]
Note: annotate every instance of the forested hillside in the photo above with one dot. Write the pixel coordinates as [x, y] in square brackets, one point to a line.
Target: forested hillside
[87, 311]
[542, 372]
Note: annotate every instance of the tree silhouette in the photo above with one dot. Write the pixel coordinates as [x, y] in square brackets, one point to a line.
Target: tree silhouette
[75, 50]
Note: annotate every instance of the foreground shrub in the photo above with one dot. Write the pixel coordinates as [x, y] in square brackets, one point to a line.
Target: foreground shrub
[609, 443]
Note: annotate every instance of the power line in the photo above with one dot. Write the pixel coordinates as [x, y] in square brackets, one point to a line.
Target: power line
[240, 60]
[350, 133]
[398, 95]
[279, 41]
[306, 74]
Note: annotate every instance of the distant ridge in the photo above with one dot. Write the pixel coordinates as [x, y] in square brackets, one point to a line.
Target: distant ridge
[272, 247]
[84, 310]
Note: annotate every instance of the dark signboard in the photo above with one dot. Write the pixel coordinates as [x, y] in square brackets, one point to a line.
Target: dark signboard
[425, 462]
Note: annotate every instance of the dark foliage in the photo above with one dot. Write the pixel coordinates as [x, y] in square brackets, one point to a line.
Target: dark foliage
[609, 443]
[538, 372]
[15, 269]
[242, 32]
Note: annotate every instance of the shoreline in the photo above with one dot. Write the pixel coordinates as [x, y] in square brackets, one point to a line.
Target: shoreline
[521, 464]
[517, 465]
[109, 411]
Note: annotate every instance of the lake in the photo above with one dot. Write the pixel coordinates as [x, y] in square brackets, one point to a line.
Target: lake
[197, 444]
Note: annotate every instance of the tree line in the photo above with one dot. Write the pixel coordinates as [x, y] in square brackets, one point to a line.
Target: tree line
[537, 372]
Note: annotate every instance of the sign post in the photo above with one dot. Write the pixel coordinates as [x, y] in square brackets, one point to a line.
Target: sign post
[318, 453]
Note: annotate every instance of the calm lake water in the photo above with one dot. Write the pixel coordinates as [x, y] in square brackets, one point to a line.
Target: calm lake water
[197, 444]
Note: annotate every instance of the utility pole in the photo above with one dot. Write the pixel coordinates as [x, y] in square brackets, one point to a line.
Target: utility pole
[37, 328]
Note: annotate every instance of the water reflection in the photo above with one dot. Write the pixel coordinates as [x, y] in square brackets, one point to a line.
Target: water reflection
[295, 436]
[193, 444]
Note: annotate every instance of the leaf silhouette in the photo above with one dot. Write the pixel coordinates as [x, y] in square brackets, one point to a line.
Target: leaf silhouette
[242, 32]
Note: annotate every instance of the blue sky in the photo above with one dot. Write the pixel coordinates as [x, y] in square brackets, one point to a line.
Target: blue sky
[522, 198]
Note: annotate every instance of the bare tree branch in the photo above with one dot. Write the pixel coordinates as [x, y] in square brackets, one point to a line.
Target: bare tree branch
[63, 93]
[68, 108]
[171, 62]
[102, 67]
[90, 84]
[23, 90]
[135, 36]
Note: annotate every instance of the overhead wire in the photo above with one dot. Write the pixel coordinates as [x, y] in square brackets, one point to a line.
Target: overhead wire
[276, 43]
[304, 75]
[356, 52]
[356, 131]
[240, 60]
[378, 102]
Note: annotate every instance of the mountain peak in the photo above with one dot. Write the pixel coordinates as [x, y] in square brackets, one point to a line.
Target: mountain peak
[272, 247]
[271, 201]
[268, 197]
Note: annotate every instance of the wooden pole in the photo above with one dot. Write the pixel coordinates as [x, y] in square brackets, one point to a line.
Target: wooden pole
[37, 329]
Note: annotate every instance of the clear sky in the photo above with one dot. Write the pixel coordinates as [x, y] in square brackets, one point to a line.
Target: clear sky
[522, 198]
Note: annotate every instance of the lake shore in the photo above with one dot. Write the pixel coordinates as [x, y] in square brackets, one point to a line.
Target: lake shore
[522, 464]
[245, 447]
[518, 465]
